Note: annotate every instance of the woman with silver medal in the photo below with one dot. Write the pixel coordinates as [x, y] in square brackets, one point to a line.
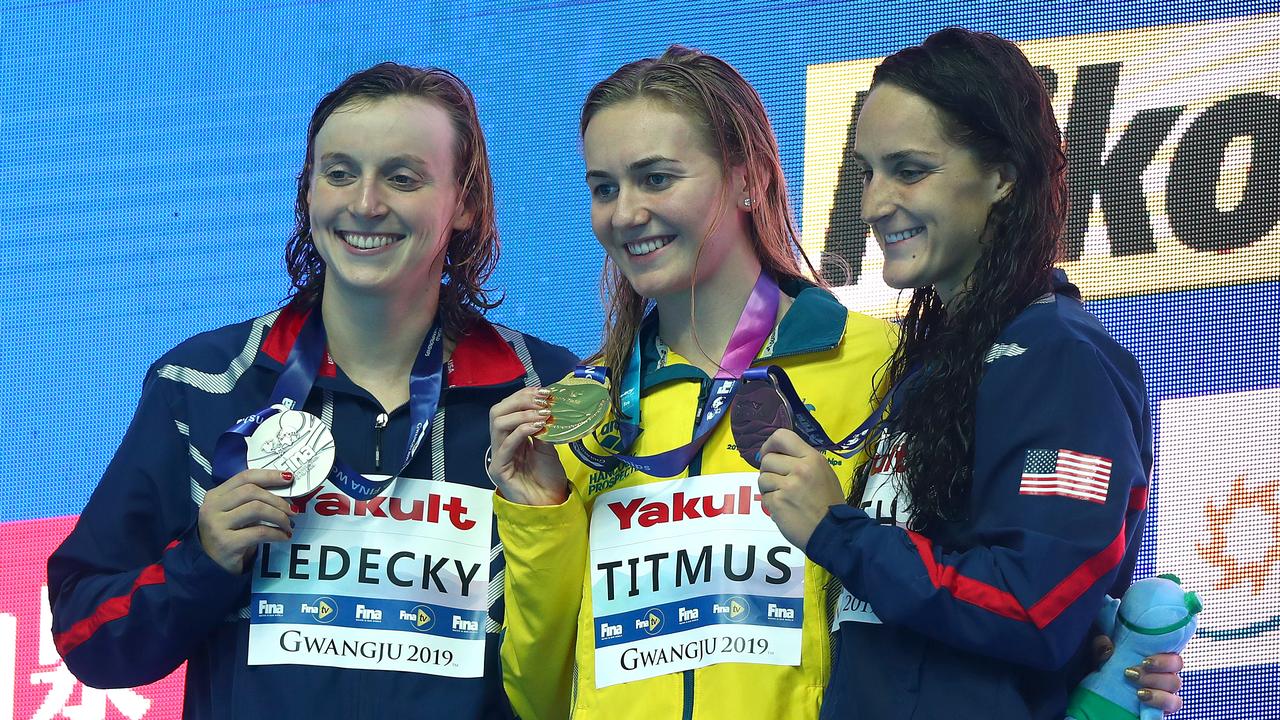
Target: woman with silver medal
[315, 435]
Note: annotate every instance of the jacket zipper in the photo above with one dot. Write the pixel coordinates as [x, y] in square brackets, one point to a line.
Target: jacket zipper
[379, 424]
[695, 467]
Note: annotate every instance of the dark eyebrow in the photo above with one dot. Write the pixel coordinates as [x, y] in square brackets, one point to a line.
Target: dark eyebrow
[643, 163]
[909, 152]
[411, 160]
[640, 164]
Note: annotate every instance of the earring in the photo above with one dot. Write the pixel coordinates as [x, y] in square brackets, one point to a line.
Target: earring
[746, 202]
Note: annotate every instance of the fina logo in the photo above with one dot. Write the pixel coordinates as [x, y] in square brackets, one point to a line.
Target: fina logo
[420, 618]
[324, 610]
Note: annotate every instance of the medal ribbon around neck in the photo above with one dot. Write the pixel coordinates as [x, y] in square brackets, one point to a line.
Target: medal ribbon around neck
[768, 402]
[754, 327]
[294, 385]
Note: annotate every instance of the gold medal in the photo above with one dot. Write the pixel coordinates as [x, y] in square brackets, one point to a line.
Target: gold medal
[578, 405]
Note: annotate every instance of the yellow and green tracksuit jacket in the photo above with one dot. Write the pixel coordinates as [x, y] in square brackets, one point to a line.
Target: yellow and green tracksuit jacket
[832, 356]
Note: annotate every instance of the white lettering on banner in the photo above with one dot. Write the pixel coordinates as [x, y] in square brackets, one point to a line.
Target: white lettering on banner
[63, 685]
[688, 573]
[882, 501]
[362, 583]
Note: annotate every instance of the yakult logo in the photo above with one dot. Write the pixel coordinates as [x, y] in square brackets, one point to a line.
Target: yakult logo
[434, 509]
[684, 507]
[1171, 139]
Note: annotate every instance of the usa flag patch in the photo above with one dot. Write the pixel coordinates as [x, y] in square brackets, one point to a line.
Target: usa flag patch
[1066, 473]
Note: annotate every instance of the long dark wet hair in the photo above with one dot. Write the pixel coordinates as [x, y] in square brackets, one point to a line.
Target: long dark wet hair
[994, 103]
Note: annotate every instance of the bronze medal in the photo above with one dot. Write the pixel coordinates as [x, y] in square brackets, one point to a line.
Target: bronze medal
[758, 410]
[578, 405]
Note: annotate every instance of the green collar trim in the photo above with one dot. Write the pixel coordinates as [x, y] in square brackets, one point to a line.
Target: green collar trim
[815, 322]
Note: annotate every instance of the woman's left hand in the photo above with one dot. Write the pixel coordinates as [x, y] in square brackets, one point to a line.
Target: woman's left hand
[797, 485]
[1157, 678]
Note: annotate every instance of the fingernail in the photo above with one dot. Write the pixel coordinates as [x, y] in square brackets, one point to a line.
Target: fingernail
[757, 457]
[286, 476]
[292, 524]
[1148, 662]
[542, 424]
[1144, 694]
[543, 393]
[544, 412]
[1106, 654]
[1133, 673]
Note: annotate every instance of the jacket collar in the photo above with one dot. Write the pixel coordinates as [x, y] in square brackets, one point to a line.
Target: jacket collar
[481, 357]
[815, 322]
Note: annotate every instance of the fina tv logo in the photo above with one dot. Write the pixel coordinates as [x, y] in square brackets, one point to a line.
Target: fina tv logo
[419, 617]
[1218, 484]
[651, 622]
[322, 610]
[735, 607]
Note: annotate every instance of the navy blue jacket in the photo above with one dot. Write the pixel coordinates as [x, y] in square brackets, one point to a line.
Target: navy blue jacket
[134, 594]
[989, 617]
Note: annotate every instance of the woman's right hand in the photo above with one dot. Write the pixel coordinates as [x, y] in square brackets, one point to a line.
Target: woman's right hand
[232, 516]
[526, 470]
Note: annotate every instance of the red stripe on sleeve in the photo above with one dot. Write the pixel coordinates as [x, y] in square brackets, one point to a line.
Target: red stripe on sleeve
[1081, 579]
[1138, 498]
[110, 609]
[1003, 603]
[976, 592]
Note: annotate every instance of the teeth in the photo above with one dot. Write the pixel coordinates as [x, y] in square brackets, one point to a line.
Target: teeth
[647, 246]
[896, 237]
[368, 242]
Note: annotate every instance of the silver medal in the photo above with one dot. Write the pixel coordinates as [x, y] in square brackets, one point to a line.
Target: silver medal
[295, 441]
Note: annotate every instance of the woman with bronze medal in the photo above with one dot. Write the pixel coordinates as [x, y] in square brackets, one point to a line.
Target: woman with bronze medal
[644, 575]
[299, 510]
[1007, 489]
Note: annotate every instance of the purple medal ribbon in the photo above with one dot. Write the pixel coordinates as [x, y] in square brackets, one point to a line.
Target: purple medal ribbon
[294, 385]
[753, 329]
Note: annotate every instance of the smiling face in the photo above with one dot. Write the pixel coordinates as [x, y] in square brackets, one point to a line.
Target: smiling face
[926, 199]
[383, 198]
[658, 194]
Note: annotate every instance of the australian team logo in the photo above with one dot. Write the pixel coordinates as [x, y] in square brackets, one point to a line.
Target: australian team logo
[322, 609]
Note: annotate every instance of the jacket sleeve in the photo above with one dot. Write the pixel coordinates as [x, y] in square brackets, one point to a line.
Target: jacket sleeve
[545, 549]
[131, 589]
[1032, 576]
